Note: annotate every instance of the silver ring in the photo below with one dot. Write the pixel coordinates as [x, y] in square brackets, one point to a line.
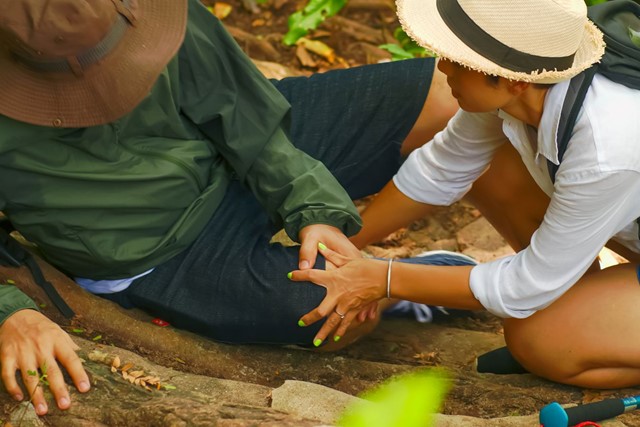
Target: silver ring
[339, 314]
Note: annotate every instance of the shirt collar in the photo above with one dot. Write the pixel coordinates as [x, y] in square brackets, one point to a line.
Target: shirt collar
[550, 121]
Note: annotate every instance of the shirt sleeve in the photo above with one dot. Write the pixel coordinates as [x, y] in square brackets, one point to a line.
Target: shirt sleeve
[442, 171]
[586, 209]
[13, 300]
[247, 118]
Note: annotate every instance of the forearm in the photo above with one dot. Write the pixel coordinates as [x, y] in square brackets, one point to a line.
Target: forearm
[297, 190]
[390, 210]
[447, 286]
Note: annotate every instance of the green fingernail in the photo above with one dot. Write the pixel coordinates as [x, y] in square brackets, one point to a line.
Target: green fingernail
[322, 246]
[301, 324]
[317, 342]
[289, 275]
[336, 338]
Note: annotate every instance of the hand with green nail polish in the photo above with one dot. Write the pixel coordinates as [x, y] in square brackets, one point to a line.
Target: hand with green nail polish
[319, 237]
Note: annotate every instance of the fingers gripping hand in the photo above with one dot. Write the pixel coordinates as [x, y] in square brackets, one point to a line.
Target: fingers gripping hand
[29, 342]
[312, 235]
[351, 288]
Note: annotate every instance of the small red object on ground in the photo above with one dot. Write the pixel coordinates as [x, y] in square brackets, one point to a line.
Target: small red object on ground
[588, 424]
[159, 322]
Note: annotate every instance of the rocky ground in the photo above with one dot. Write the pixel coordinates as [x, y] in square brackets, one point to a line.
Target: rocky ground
[195, 382]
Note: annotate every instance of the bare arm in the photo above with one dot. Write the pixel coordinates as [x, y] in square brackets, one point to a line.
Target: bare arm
[390, 210]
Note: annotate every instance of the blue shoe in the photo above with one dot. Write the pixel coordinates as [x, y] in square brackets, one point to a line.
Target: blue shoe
[424, 313]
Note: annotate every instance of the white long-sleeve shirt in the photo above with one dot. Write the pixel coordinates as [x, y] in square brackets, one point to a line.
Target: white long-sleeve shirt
[596, 195]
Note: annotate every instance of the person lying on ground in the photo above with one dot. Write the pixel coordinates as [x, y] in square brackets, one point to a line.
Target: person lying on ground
[148, 159]
[564, 318]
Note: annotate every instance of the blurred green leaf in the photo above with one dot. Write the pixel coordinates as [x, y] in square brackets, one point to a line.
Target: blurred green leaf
[594, 2]
[310, 18]
[406, 49]
[397, 52]
[408, 400]
[635, 36]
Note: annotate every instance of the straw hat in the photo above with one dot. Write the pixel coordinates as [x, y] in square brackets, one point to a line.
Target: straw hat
[79, 63]
[540, 41]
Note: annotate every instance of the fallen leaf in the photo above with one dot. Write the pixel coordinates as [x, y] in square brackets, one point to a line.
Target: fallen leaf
[136, 374]
[220, 10]
[319, 48]
[304, 57]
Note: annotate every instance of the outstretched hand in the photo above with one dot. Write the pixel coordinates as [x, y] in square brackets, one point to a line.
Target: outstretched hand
[30, 341]
[352, 287]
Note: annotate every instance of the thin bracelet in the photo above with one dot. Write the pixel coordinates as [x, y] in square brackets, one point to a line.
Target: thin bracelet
[389, 279]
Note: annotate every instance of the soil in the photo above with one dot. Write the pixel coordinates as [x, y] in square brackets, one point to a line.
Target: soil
[354, 34]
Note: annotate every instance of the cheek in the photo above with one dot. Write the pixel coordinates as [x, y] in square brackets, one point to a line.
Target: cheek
[474, 100]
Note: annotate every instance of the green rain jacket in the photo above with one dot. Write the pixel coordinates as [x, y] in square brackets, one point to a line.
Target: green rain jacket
[112, 201]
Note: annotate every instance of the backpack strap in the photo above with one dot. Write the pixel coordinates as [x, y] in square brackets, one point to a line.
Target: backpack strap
[578, 87]
[13, 254]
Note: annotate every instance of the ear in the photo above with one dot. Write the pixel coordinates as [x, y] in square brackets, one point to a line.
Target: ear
[516, 87]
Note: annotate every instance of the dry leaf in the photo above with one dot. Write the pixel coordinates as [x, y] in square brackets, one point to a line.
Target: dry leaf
[153, 380]
[220, 10]
[116, 362]
[136, 374]
[126, 367]
[318, 48]
[305, 59]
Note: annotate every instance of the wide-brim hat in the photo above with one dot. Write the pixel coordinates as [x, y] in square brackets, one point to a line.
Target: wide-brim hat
[541, 41]
[80, 63]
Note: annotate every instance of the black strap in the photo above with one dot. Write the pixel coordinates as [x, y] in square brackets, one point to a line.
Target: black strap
[576, 93]
[13, 254]
[578, 87]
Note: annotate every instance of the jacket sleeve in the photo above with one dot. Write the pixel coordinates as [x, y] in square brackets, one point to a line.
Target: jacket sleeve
[11, 300]
[246, 118]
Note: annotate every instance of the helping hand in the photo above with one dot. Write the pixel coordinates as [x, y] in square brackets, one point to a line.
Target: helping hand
[312, 235]
[352, 287]
[29, 341]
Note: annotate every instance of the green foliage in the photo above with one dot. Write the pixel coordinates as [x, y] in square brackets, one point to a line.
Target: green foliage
[408, 400]
[42, 378]
[592, 2]
[635, 36]
[406, 47]
[310, 18]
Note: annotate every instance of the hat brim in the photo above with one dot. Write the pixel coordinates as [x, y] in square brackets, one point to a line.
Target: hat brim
[421, 20]
[106, 91]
